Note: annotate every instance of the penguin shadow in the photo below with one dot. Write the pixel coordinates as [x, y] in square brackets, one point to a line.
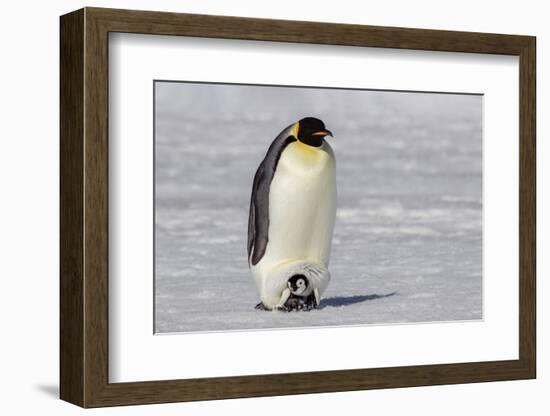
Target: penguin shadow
[338, 301]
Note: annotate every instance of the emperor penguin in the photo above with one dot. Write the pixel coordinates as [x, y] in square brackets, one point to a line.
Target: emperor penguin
[292, 213]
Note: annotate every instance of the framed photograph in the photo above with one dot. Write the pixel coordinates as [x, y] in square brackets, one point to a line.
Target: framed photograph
[255, 207]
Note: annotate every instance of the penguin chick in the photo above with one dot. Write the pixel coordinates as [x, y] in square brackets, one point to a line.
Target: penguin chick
[298, 295]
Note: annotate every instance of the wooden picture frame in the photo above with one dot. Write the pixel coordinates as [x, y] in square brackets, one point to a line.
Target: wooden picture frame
[84, 207]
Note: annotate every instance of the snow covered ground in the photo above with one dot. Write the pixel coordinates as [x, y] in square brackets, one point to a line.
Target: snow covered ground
[407, 244]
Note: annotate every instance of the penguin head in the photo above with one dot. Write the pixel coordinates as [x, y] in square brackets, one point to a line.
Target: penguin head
[298, 284]
[312, 131]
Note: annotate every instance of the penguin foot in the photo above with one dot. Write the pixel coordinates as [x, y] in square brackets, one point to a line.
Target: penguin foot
[297, 303]
[291, 305]
[310, 303]
[294, 303]
[261, 307]
[308, 307]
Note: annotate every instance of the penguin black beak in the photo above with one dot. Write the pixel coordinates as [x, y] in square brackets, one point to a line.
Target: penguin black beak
[323, 133]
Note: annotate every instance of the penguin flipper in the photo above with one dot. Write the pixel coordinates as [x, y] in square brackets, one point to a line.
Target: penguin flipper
[258, 217]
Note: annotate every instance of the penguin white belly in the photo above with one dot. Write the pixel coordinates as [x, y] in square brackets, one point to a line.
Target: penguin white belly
[302, 208]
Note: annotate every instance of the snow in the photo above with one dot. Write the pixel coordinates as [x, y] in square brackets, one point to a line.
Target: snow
[407, 244]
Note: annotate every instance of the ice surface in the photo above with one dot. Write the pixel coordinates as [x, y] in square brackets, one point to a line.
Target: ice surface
[407, 244]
